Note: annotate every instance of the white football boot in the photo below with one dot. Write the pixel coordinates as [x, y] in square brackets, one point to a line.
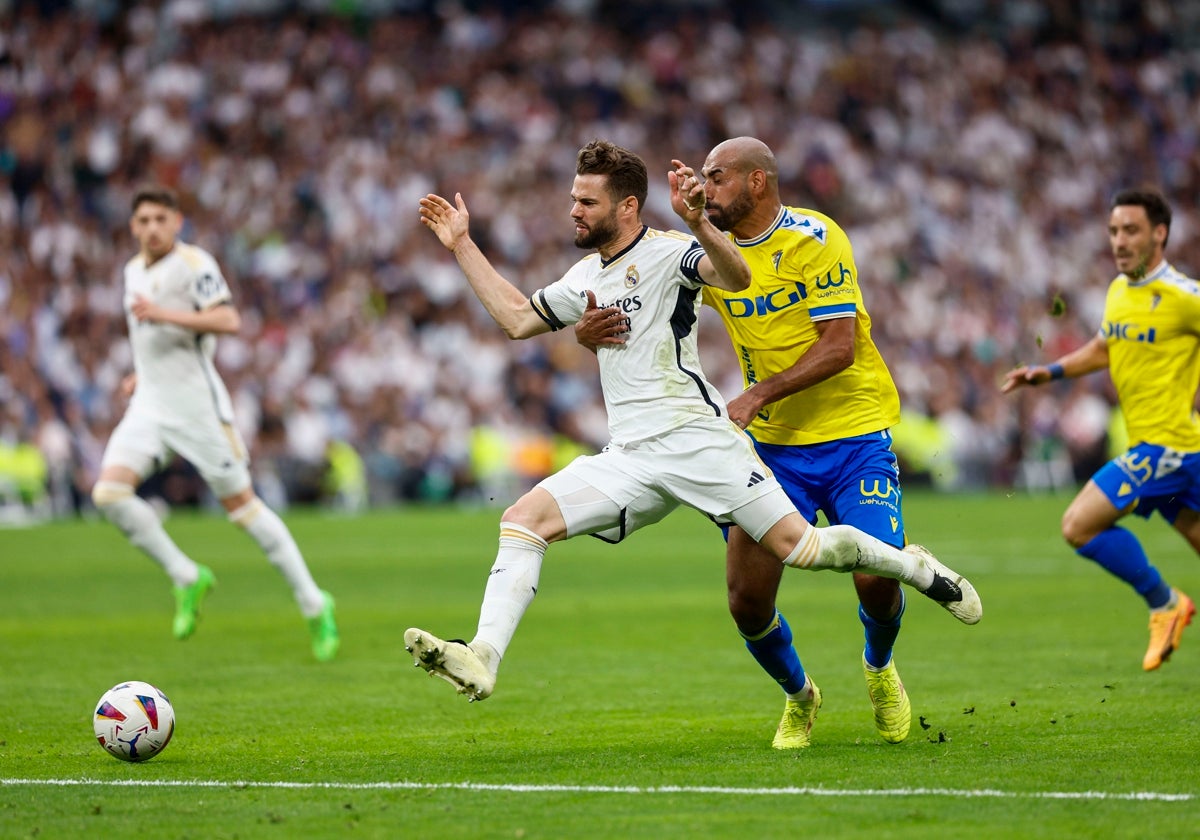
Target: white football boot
[454, 661]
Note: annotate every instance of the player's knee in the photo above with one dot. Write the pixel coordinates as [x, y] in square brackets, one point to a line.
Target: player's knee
[243, 511]
[750, 609]
[1074, 530]
[879, 596]
[108, 493]
[748, 619]
[1077, 537]
[515, 514]
[538, 515]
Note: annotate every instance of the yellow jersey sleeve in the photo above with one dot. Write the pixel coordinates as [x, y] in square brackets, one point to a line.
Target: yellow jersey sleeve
[1152, 328]
[803, 272]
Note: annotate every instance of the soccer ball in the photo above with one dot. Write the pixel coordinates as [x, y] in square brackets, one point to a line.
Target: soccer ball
[134, 721]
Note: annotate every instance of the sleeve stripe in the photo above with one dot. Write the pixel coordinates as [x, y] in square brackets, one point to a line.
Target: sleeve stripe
[538, 301]
[824, 313]
[690, 264]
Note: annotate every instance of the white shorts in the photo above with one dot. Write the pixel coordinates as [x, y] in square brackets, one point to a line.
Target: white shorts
[143, 443]
[708, 464]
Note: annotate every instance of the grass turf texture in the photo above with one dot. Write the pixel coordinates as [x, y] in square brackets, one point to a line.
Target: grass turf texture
[625, 679]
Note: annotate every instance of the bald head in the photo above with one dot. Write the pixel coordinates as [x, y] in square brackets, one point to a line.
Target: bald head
[742, 189]
[746, 154]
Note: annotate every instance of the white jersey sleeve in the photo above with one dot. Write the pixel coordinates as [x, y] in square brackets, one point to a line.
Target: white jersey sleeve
[562, 303]
[208, 285]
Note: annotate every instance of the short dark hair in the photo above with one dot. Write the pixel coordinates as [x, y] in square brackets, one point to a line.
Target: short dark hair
[154, 194]
[1150, 200]
[626, 171]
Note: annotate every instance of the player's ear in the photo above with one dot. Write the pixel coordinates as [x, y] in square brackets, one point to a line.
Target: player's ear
[757, 181]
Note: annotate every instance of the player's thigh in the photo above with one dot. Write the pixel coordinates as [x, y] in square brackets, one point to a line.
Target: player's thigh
[794, 468]
[711, 465]
[1187, 523]
[216, 450]
[1091, 512]
[1182, 508]
[1143, 479]
[854, 481]
[607, 496]
[866, 494]
[136, 446]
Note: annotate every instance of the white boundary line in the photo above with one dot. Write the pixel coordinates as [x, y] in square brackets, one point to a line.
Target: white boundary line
[1137, 796]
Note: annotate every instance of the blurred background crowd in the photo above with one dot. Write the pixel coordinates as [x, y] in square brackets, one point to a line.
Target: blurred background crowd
[969, 148]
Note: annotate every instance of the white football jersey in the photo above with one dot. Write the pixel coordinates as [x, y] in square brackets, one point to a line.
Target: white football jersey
[653, 382]
[176, 378]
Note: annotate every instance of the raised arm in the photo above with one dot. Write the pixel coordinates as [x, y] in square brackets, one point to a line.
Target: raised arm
[723, 266]
[1090, 357]
[503, 301]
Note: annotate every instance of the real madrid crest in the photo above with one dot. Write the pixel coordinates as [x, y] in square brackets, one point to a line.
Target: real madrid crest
[632, 278]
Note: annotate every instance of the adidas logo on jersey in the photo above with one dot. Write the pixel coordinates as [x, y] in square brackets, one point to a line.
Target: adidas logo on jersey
[755, 478]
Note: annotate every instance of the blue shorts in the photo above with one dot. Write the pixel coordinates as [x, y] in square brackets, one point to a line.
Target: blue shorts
[1152, 478]
[853, 481]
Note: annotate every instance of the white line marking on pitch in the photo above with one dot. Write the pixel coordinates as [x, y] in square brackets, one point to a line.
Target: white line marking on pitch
[1139, 796]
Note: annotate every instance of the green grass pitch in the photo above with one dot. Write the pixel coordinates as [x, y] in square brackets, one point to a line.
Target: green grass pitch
[626, 707]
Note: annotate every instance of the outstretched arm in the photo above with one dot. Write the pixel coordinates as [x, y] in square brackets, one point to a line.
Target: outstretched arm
[723, 266]
[1090, 357]
[504, 302]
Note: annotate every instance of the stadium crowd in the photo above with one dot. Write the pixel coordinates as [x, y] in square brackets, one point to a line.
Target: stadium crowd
[969, 163]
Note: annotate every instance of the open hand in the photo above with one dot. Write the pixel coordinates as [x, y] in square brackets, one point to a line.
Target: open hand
[448, 221]
[1024, 375]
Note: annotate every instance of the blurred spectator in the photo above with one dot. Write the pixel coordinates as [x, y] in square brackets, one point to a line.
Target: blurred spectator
[967, 153]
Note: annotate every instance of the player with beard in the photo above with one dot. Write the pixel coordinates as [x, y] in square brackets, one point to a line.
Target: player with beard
[672, 442]
[1149, 341]
[818, 403]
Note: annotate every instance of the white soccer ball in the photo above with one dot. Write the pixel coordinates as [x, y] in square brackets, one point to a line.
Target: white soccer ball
[134, 721]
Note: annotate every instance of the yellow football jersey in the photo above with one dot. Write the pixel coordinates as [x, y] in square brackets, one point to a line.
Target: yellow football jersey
[803, 270]
[1152, 327]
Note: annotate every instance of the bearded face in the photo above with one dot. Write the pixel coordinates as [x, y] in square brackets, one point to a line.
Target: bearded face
[596, 232]
[728, 204]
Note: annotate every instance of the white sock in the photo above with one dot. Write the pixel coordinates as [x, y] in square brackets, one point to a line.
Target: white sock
[844, 548]
[510, 587]
[805, 693]
[1171, 604]
[138, 521]
[268, 530]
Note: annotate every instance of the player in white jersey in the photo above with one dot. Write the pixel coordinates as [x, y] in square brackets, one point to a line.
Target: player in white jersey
[818, 402]
[672, 441]
[176, 302]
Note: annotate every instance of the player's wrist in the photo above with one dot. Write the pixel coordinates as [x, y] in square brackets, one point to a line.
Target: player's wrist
[1056, 371]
